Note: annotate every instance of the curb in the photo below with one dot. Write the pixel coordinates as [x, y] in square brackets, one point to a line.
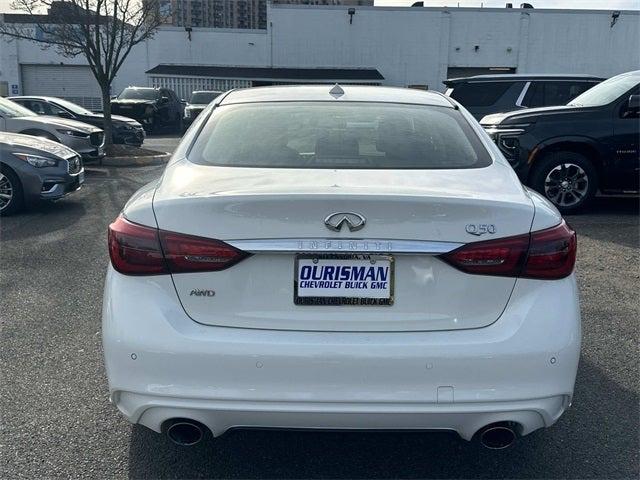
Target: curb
[139, 161]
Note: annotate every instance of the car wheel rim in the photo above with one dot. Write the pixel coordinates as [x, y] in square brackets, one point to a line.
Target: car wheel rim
[566, 185]
[6, 192]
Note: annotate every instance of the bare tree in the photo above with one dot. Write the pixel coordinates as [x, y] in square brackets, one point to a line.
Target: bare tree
[104, 31]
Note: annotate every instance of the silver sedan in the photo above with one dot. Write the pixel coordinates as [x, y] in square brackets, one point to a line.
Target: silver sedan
[85, 139]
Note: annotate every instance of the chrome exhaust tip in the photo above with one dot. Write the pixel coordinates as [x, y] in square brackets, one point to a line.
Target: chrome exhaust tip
[498, 436]
[185, 432]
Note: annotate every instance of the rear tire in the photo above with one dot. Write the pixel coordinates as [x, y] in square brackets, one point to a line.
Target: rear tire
[568, 179]
[10, 186]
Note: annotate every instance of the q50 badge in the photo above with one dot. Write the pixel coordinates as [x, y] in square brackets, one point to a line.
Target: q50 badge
[478, 229]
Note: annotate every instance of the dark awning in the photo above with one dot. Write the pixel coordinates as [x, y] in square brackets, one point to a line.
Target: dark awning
[270, 73]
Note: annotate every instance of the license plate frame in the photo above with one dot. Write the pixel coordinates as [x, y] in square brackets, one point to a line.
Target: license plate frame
[343, 300]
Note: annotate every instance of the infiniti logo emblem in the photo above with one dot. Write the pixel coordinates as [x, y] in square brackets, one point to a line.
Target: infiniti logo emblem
[354, 221]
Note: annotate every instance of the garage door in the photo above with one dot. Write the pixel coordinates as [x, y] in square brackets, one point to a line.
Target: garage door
[75, 83]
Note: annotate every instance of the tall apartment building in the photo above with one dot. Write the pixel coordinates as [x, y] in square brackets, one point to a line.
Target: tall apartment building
[233, 13]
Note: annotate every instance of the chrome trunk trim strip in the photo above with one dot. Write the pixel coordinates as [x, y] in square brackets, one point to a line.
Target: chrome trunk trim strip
[359, 245]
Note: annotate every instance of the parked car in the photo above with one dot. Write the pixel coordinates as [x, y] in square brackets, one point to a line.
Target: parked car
[198, 101]
[34, 169]
[85, 139]
[568, 153]
[152, 107]
[340, 257]
[486, 94]
[125, 130]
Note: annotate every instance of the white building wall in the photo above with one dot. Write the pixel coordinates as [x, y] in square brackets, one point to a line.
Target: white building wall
[403, 44]
[9, 66]
[584, 44]
[498, 36]
[170, 45]
[407, 45]
[415, 45]
[206, 47]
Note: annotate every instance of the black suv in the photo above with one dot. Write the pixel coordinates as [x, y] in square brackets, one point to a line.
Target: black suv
[152, 107]
[486, 94]
[570, 152]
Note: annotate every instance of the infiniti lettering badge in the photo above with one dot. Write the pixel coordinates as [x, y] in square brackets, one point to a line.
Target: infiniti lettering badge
[198, 292]
[353, 221]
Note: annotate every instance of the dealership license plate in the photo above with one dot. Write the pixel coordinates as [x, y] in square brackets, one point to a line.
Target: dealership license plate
[353, 279]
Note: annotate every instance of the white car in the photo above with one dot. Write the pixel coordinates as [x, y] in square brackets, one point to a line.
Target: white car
[342, 258]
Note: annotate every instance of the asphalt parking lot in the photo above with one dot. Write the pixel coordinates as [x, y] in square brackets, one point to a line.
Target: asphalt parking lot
[57, 421]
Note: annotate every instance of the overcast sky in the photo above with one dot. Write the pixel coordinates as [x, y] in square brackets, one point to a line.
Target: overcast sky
[5, 5]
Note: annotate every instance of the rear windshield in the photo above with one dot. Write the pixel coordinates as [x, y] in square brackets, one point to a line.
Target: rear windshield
[338, 135]
[139, 94]
[203, 97]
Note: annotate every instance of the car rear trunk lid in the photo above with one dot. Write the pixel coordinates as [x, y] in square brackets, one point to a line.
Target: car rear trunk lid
[255, 209]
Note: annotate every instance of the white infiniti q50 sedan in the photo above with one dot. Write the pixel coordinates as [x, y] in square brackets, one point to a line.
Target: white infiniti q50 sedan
[343, 258]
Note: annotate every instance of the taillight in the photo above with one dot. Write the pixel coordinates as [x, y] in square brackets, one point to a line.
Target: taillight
[552, 253]
[504, 256]
[186, 253]
[135, 249]
[546, 254]
[140, 250]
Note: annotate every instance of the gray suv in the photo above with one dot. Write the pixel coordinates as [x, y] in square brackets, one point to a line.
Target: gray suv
[486, 94]
[34, 169]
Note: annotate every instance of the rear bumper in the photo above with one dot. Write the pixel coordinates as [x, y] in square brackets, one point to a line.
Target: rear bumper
[219, 416]
[163, 365]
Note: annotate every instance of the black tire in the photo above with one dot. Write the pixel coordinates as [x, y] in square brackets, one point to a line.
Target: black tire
[16, 203]
[568, 179]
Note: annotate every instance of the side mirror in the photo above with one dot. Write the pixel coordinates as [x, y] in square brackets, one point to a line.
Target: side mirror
[164, 99]
[634, 102]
